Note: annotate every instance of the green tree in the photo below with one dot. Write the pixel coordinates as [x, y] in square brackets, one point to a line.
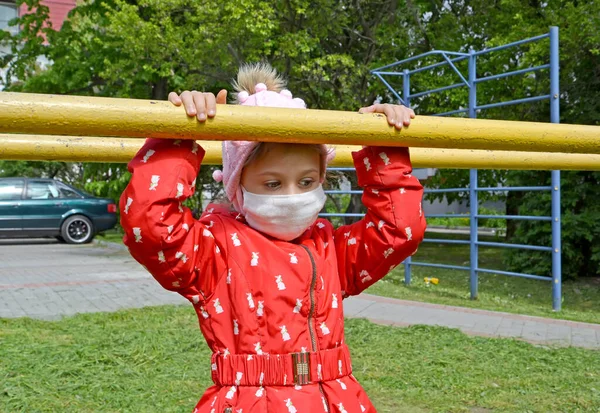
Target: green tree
[145, 48]
[132, 49]
[487, 24]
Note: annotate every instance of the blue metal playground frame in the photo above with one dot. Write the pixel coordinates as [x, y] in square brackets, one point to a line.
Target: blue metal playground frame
[471, 81]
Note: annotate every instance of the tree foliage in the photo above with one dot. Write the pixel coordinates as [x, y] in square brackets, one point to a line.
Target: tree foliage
[459, 25]
[146, 48]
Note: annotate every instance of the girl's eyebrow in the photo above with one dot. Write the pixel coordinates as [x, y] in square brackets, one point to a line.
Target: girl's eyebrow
[276, 173]
[306, 172]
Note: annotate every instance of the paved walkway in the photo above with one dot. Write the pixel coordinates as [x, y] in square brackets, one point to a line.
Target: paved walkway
[537, 330]
[46, 280]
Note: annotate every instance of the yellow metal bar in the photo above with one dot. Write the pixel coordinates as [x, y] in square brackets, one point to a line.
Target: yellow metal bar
[102, 149]
[93, 116]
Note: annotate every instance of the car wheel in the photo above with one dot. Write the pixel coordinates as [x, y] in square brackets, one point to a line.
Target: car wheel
[77, 229]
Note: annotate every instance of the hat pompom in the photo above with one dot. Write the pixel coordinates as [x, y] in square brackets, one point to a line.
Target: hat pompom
[243, 96]
[286, 93]
[260, 87]
[299, 102]
[218, 175]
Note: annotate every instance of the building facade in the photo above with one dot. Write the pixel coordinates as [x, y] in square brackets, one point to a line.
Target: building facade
[58, 10]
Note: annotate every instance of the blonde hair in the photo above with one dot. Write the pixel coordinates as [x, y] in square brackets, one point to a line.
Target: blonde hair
[251, 74]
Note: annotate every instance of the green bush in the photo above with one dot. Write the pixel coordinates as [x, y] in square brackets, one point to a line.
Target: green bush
[454, 222]
[580, 208]
[450, 222]
[491, 222]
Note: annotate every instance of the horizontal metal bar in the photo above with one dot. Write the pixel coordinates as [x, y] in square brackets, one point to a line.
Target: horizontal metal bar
[114, 149]
[333, 192]
[514, 188]
[93, 116]
[452, 112]
[427, 264]
[422, 55]
[446, 241]
[427, 191]
[441, 89]
[341, 215]
[516, 246]
[513, 102]
[388, 73]
[513, 73]
[514, 274]
[448, 216]
[433, 66]
[515, 217]
[506, 46]
[445, 190]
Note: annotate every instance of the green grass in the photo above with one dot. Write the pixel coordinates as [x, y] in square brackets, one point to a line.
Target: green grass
[111, 236]
[155, 360]
[581, 298]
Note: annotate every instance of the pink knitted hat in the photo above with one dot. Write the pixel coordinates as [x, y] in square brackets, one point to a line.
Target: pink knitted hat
[235, 153]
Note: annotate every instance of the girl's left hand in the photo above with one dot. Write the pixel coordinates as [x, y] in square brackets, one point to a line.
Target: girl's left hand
[397, 115]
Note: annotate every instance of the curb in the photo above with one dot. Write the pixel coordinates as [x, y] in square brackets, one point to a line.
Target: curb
[471, 310]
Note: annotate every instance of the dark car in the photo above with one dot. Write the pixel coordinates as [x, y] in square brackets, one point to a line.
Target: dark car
[49, 208]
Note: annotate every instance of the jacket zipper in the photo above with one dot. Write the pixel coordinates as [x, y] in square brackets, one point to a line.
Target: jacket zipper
[313, 284]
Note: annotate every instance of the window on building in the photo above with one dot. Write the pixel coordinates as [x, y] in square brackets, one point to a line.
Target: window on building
[8, 11]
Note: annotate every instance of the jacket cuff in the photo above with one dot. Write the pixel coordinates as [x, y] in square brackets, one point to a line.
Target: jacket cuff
[381, 165]
[168, 153]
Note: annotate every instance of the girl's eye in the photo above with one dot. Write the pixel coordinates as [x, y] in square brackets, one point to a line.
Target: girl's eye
[306, 183]
[272, 185]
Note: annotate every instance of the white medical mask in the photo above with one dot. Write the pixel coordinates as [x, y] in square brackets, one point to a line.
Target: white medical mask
[284, 217]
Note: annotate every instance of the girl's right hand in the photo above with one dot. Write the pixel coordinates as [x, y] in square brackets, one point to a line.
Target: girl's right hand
[199, 104]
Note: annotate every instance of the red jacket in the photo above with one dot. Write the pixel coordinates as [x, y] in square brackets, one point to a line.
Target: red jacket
[270, 310]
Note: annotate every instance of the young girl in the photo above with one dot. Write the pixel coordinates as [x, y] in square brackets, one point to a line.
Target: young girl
[266, 277]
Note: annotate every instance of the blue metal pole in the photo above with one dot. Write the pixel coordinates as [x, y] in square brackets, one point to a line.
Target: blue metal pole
[406, 87]
[472, 84]
[473, 198]
[555, 175]
[406, 94]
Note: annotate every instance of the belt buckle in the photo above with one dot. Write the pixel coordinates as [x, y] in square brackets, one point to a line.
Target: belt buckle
[301, 367]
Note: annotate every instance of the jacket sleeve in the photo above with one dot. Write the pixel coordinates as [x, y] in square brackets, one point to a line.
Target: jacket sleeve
[394, 224]
[161, 234]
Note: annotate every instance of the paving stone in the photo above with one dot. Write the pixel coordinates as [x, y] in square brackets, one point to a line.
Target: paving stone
[353, 306]
[558, 332]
